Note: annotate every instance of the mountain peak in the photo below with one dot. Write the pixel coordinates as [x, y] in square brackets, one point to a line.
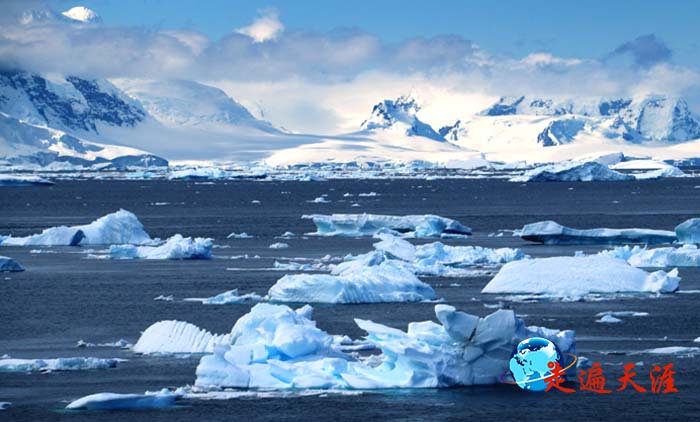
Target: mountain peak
[401, 115]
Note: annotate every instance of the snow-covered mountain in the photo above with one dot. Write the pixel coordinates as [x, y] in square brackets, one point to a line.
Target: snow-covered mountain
[399, 116]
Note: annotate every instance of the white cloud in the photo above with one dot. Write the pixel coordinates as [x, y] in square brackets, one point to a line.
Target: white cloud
[264, 28]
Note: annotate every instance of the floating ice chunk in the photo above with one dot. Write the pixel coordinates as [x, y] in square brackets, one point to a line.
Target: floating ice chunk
[622, 314]
[177, 337]
[114, 401]
[553, 233]
[685, 256]
[668, 171]
[298, 266]
[672, 350]
[287, 235]
[697, 340]
[572, 171]
[274, 347]
[368, 195]
[321, 200]
[396, 247]
[609, 319]
[228, 298]
[58, 364]
[168, 298]
[374, 284]
[9, 264]
[24, 180]
[279, 245]
[355, 225]
[689, 231]
[176, 247]
[121, 227]
[464, 256]
[202, 173]
[5, 405]
[121, 344]
[574, 277]
[242, 235]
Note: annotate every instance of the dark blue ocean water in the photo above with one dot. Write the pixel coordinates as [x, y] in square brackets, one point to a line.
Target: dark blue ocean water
[64, 297]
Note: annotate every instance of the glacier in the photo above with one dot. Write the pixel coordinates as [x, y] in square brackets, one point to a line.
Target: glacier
[172, 337]
[575, 277]
[121, 227]
[115, 401]
[572, 171]
[176, 247]
[275, 347]
[553, 233]
[689, 231]
[357, 225]
[382, 283]
[9, 264]
[57, 364]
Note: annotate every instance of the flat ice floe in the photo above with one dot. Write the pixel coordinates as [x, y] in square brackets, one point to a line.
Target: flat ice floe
[176, 247]
[121, 227]
[228, 298]
[684, 256]
[170, 337]
[689, 231]
[553, 233]
[575, 277]
[572, 171]
[385, 282]
[9, 264]
[114, 401]
[275, 347]
[23, 180]
[57, 364]
[356, 225]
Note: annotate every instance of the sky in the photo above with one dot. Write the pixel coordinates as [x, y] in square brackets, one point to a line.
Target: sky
[319, 66]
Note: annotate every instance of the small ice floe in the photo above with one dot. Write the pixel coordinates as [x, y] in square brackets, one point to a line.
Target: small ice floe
[575, 277]
[5, 405]
[255, 201]
[278, 245]
[242, 235]
[9, 265]
[374, 284]
[608, 319]
[57, 364]
[176, 247]
[121, 344]
[172, 337]
[368, 194]
[274, 347]
[685, 256]
[355, 205]
[697, 340]
[286, 235]
[320, 200]
[23, 180]
[168, 298]
[356, 225]
[298, 266]
[689, 231]
[227, 298]
[572, 171]
[679, 351]
[121, 227]
[553, 233]
[113, 401]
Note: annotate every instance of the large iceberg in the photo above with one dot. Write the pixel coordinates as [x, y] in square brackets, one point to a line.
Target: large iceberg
[385, 282]
[115, 401]
[9, 264]
[572, 171]
[275, 347]
[121, 227]
[355, 225]
[575, 277]
[689, 231]
[553, 233]
[684, 256]
[57, 364]
[177, 337]
[176, 247]
[24, 180]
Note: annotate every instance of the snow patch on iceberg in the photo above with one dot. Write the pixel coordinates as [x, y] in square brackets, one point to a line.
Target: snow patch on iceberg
[553, 233]
[121, 227]
[169, 337]
[357, 225]
[176, 247]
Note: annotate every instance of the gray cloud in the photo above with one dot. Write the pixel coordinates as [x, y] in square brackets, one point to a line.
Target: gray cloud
[645, 51]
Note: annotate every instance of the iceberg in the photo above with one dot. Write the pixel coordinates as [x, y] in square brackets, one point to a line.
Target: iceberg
[201, 173]
[57, 364]
[575, 277]
[114, 401]
[553, 233]
[5, 405]
[242, 235]
[176, 247]
[228, 298]
[685, 256]
[171, 337]
[276, 347]
[121, 227]
[278, 245]
[357, 225]
[689, 231]
[16, 180]
[385, 282]
[572, 171]
[9, 264]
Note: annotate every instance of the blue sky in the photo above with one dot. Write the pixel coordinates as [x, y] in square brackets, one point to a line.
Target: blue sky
[589, 29]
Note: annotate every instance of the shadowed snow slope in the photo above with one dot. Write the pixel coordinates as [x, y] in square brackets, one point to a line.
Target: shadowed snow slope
[275, 347]
[574, 277]
[121, 227]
